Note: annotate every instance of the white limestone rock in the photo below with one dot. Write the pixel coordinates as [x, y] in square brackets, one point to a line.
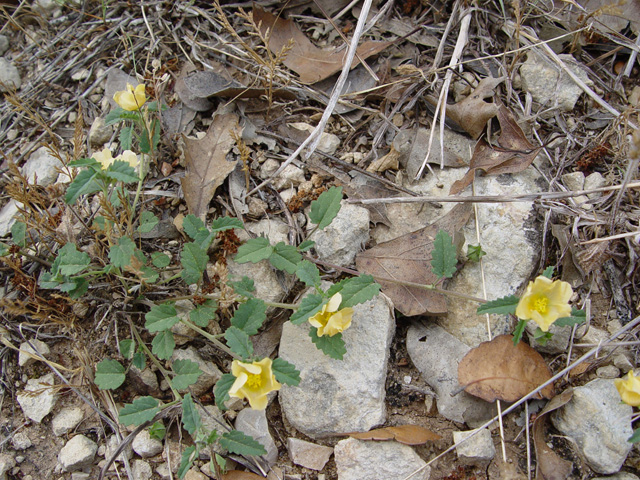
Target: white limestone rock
[36, 407]
[145, 446]
[78, 453]
[307, 454]
[477, 450]
[9, 76]
[66, 420]
[24, 359]
[254, 423]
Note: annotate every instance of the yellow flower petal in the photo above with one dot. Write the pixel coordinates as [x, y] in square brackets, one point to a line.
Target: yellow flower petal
[130, 157]
[131, 99]
[629, 389]
[545, 301]
[254, 381]
[330, 320]
[104, 157]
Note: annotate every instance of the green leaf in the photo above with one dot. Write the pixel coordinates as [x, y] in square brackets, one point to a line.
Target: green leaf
[147, 221]
[249, 316]
[83, 183]
[241, 444]
[4, 250]
[148, 275]
[577, 317]
[548, 272]
[309, 306]
[160, 260]
[85, 162]
[519, 330]
[192, 225]
[121, 253]
[109, 374]
[139, 360]
[285, 372]
[72, 261]
[334, 346]
[357, 290]
[142, 410]
[161, 317]
[285, 257]
[146, 144]
[188, 457]
[443, 257]
[126, 137]
[203, 314]
[76, 288]
[306, 245]
[155, 107]
[187, 373]
[308, 273]
[244, 287]
[635, 438]
[502, 305]
[239, 342]
[157, 430]
[222, 463]
[163, 345]
[475, 253]
[194, 261]
[326, 207]
[121, 171]
[221, 390]
[225, 223]
[190, 416]
[542, 337]
[254, 250]
[19, 233]
[118, 114]
[127, 348]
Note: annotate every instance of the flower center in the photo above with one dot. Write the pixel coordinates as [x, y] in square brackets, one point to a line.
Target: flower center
[541, 305]
[254, 381]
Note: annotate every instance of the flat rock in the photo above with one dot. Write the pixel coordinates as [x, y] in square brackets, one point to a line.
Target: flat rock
[145, 446]
[66, 420]
[24, 359]
[78, 453]
[275, 230]
[4, 44]
[307, 454]
[36, 407]
[141, 470]
[264, 276]
[254, 423]
[598, 423]
[210, 372]
[112, 445]
[9, 76]
[99, 133]
[436, 354]
[291, 176]
[358, 460]
[337, 396]
[8, 216]
[339, 242]
[328, 143]
[618, 476]
[477, 450]
[7, 462]
[42, 166]
[21, 441]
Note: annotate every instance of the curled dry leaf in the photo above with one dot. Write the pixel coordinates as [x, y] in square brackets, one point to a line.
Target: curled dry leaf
[498, 370]
[408, 259]
[513, 154]
[549, 465]
[311, 63]
[407, 434]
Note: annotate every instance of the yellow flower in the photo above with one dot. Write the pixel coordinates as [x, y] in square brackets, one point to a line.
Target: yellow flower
[629, 389]
[330, 320]
[253, 382]
[104, 157]
[129, 157]
[545, 301]
[131, 99]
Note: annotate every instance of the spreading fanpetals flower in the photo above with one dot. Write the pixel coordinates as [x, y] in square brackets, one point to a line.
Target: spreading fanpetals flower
[129, 157]
[131, 99]
[104, 157]
[330, 320]
[629, 389]
[253, 382]
[545, 301]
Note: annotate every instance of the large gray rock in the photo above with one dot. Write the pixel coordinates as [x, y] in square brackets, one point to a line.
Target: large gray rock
[9, 76]
[436, 354]
[337, 396]
[141, 470]
[146, 446]
[358, 460]
[476, 450]
[78, 453]
[66, 420]
[598, 423]
[36, 407]
[254, 423]
[264, 276]
[43, 166]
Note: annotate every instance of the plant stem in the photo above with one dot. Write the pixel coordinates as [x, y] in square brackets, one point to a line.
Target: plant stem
[211, 337]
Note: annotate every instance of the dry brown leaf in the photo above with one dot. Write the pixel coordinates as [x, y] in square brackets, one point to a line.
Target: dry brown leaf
[473, 113]
[206, 163]
[211, 84]
[311, 63]
[498, 370]
[407, 434]
[408, 258]
[388, 161]
[514, 153]
[549, 465]
[240, 475]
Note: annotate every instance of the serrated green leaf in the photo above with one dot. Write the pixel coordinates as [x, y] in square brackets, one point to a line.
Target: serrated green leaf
[542, 337]
[334, 346]
[84, 162]
[239, 342]
[225, 223]
[146, 144]
[127, 348]
[203, 314]
[147, 221]
[79, 287]
[117, 195]
[84, 183]
[308, 273]
[577, 317]
[190, 416]
[4, 249]
[357, 290]
[635, 438]
[501, 306]
[161, 317]
[326, 207]
[194, 261]
[443, 256]
[121, 253]
[148, 275]
[475, 253]
[19, 233]
[121, 171]
[126, 137]
[188, 457]
[163, 345]
[187, 373]
[139, 360]
[519, 330]
[244, 287]
[309, 306]
[306, 245]
[221, 390]
[192, 225]
[254, 250]
[548, 272]
[160, 260]
[241, 444]
[157, 431]
[109, 374]
[285, 257]
[142, 410]
[72, 261]
[249, 316]
[285, 372]
[118, 114]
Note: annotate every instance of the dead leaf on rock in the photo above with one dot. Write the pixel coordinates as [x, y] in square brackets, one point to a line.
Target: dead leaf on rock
[498, 370]
[549, 465]
[407, 434]
[206, 163]
[240, 475]
[513, 154]
[311, 63]
[211, 84]
[408, 258]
